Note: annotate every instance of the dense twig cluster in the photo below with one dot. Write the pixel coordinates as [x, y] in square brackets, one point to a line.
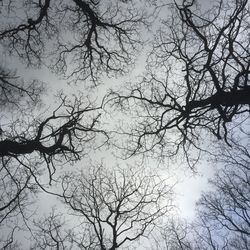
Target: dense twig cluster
[197, 79]
[223, 216]
[196, 83]
[114, 209]
[91, 36]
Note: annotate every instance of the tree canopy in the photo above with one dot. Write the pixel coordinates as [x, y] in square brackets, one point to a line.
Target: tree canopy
[83, 38]
[197, 80]
[194, 90]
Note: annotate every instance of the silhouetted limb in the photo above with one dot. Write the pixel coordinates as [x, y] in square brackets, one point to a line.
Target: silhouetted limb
[197, 81]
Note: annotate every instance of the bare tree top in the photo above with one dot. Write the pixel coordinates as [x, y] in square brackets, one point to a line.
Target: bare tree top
[197, 81]
[79, 39]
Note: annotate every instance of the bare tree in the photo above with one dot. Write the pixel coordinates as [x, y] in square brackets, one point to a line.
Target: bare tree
[197, 80]
[15, 93]
[173, 235]
[227, 207]
[49, 233]
[55, 232]
[32, 150]
[16, 184]
[180, 235]
[117, 207]
[223, 213]
[83, 39]
[90, 36]
[59, 139]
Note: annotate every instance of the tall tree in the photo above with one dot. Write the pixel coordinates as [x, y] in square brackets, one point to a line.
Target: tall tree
[33, 149]
[226, 209]
[73, 33]
[114, 208]
[83, 39]
[197, 80]
[223, 213]
[91, 36]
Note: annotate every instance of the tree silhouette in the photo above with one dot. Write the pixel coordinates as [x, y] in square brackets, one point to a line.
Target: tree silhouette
[226, 208]
[223, 213]
[90, 36]
[49, 233]
[107, 209]
[116, 207]
[27, 156]
[196, 85]
[197, 80]
[59, 138]
[14, 93]
[83, 39]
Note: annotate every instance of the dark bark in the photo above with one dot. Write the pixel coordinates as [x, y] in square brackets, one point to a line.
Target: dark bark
[223, 98]
[8, 147]
[91, 30]
[197, 82]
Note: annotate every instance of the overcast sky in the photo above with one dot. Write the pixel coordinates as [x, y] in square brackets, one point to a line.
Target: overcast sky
[189, 185]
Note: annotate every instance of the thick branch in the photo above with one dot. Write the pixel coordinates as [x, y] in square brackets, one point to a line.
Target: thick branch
[225, 99]
[8, 147]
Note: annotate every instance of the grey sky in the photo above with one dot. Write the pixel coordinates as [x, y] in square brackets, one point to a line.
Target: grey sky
[189, 184]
